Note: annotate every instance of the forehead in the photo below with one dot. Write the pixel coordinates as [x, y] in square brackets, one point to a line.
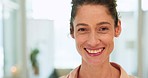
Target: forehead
[93, 7]
[92, 13]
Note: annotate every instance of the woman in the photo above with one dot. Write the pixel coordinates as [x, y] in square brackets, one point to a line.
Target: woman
[94, 25]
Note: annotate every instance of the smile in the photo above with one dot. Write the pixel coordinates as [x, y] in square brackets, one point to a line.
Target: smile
[94, 52]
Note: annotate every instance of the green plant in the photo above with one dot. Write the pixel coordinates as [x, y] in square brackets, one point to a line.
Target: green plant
[34, 62]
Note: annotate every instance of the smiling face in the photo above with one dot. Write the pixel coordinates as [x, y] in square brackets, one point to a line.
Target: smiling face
[94, 32]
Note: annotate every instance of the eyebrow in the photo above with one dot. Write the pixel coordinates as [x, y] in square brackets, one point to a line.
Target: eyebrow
[82, 24]
[101, 23]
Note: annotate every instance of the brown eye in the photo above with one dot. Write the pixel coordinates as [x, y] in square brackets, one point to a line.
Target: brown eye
[103, 29]
[81, 29]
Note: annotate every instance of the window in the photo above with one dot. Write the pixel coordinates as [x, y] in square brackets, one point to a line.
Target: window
[64, 57]
[128, 8]
[68, 57]
[144, 5]
[1, 42]
[128, 48]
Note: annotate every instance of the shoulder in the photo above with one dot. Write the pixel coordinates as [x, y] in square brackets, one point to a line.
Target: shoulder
[72, 74]
[123, 73]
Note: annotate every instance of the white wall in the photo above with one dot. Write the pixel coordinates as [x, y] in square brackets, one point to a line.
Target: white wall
[40, 34]
[1, 43]
[144, 45]
[125, 52]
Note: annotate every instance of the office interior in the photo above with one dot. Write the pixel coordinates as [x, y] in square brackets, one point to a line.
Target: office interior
[35, 40]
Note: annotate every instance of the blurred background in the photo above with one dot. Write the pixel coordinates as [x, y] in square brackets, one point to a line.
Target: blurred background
[35, 40]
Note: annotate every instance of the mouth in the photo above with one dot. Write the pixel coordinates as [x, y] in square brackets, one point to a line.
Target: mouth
[94, 52]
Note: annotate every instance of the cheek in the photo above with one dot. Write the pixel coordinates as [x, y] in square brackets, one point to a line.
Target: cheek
[109, 40]
[110, 44]
[79, 43]
[80, 40]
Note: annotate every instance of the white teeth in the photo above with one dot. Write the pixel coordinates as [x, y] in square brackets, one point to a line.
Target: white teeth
[94, 51]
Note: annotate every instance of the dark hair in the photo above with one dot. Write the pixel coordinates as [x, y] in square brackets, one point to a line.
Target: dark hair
[110, 4]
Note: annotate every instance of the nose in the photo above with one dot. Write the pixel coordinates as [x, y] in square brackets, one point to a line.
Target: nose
[93, 40]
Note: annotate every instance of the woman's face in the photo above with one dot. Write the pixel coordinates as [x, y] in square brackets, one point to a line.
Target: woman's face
[94, 33]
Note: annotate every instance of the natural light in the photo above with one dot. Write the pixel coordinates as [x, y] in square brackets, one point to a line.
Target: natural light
[1, 61]
[59, 11]
[55, 43]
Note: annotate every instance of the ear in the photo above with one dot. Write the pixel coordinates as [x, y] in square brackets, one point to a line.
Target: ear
[72, 31]
[118, 29]
[72, 35]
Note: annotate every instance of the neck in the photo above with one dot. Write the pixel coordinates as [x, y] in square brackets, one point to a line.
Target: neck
[105, 70]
